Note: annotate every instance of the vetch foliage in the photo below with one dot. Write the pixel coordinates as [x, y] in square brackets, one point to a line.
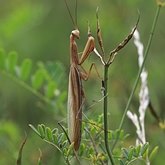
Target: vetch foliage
[41, 82]
[92, 146]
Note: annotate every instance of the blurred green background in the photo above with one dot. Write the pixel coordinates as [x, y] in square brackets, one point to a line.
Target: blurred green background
[40, 30]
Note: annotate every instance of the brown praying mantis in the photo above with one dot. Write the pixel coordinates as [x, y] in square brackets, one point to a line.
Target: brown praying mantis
[75, 89]
[77, 74]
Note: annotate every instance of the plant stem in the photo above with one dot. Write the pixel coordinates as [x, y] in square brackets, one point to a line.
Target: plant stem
[26, 86]
[140, 69]
[105, 106]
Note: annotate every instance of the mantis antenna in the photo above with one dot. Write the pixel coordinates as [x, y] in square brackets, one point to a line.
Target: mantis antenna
[76, 12]
[69, 11]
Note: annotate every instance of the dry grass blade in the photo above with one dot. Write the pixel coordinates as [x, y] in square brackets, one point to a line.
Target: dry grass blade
[19, 159]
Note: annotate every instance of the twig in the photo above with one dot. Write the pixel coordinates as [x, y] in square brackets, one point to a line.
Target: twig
[105, 107]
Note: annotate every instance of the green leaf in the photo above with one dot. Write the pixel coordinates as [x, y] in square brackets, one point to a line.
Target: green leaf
[54, 138]
[116, 134]
[55, 131]
[12, 61]
[41, 129]
[122, 163]
[49, 134]
[110, 135]
[121, 136]
[144, 149]
[70, 149]
[60, 137]
[25, 69]
[64, 143]
[91, 151]
[100, 118]
[130, 154]
[2, 59]
[50, 89]
[82, 149]
[153, 153]
[137, 151]
[34, 129]
[38, 79]
[65, 150]
[125, 153]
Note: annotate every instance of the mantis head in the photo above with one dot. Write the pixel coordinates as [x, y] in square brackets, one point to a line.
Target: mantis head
[76, 33]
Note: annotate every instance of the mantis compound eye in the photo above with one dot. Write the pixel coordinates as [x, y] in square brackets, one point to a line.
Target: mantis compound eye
[76, 33]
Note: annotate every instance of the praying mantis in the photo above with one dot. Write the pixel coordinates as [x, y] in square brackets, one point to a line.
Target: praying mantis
[77, 74]
[75, 89]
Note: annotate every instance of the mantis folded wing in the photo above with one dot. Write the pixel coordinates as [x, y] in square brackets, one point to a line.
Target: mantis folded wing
[75, 89]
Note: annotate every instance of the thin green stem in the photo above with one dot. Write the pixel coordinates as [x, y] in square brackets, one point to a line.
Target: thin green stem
[140, 69]
[105, 104]
[26, 86]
